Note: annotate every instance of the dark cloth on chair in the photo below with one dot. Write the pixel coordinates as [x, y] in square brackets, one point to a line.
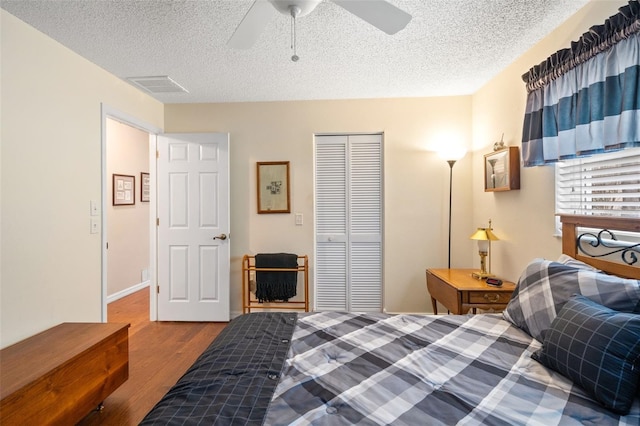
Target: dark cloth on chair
[272, 286]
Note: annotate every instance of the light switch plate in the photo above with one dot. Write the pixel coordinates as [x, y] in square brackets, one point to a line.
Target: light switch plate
[299, 219]
[95, 225]
[94, 208]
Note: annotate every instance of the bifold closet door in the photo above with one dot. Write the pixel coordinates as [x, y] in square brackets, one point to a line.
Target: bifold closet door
[348, 204]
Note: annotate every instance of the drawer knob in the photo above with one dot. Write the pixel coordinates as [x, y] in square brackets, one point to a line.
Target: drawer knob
[491, 297]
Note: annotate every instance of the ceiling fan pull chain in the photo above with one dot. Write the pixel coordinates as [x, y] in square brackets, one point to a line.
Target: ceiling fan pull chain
[294, 13]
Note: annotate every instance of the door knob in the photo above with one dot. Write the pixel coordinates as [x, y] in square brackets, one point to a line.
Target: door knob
[220, 237]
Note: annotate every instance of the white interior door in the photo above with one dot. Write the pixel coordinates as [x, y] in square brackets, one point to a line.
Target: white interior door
[193, 229]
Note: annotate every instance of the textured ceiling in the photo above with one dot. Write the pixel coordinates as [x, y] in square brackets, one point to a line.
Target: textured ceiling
[450, 47]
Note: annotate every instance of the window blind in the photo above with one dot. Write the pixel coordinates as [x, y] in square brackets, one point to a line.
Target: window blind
[601, 185]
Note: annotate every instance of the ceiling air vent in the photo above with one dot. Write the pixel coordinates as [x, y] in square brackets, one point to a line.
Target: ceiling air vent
[157, 84]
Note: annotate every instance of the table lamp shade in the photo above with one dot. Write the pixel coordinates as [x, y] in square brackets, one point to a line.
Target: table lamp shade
[484, 234]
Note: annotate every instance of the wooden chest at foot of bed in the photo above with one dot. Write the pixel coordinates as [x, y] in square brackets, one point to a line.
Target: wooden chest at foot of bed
[60, 375]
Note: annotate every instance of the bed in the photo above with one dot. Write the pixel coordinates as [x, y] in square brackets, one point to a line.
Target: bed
[565, 351]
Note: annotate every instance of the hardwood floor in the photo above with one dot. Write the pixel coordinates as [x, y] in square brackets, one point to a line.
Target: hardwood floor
[159, 353]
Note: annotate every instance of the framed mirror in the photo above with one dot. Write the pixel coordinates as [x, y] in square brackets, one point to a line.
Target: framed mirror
[502, 170]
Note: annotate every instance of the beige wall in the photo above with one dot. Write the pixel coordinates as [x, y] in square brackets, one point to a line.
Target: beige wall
[416, 181]
[524, 219]
[127, 226]
[415, 189]
[51, 161]
[50, 266]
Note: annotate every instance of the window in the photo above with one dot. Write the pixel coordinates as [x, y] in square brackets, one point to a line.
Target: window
[601, 185]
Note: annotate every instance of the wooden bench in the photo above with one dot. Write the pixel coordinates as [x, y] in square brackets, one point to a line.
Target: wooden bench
[60, 375]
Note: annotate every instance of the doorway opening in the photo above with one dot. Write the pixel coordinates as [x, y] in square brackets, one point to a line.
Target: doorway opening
[128, 234]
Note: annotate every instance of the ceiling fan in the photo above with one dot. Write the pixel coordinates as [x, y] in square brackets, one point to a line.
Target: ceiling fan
[379, 13]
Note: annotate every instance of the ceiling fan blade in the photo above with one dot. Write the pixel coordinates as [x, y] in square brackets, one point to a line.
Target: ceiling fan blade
[252, 25]
[379, 13]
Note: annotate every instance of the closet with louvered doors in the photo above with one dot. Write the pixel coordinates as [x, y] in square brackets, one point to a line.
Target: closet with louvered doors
[348, 223]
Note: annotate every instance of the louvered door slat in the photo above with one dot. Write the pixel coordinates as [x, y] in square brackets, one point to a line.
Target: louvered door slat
[366, 184]
[331, 276]
[366, 277]
[331, 206]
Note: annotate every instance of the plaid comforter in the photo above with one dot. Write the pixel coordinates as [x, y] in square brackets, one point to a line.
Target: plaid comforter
[232, 381]
[372, 369]
[375, 369]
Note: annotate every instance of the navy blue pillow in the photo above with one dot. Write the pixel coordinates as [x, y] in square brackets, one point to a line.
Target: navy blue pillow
[596, 347]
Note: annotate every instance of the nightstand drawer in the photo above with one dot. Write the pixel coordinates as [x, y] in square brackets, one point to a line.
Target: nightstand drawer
[499, 297]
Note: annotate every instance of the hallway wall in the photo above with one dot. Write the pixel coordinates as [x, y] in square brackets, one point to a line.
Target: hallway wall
[127, 226]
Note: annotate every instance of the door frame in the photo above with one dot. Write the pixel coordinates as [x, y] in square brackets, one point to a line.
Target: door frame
[107, 111]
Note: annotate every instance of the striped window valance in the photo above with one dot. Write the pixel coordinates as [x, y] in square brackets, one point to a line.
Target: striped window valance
[586, 99]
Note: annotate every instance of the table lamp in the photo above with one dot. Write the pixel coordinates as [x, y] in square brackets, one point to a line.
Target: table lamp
[484, 236]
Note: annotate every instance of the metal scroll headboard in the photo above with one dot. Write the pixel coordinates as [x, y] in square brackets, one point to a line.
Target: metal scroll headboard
[600, 247]
[606, 244]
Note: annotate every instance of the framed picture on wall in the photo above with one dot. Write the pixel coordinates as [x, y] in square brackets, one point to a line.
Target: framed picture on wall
[144, 187]
[273, 187]
[124, 190]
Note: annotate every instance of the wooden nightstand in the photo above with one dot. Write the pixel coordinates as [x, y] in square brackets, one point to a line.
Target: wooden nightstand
[459, 292]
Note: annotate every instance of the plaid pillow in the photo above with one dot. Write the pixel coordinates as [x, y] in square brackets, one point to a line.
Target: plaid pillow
[596, 347]
[568, 260]
[545, 286]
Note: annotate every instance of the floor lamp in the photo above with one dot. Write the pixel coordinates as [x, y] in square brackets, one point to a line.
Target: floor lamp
[451, 156]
